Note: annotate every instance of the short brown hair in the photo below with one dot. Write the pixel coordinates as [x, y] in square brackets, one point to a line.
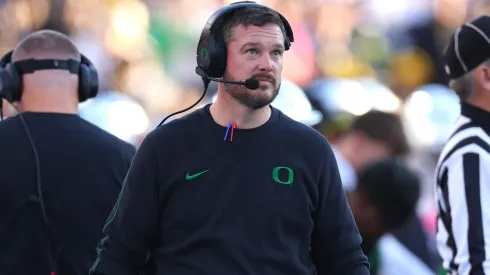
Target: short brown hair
[256, 16]
[384, 127]
[46, 44]
[464, 86]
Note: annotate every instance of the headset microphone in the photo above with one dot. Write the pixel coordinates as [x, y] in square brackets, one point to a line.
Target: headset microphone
[251, 83]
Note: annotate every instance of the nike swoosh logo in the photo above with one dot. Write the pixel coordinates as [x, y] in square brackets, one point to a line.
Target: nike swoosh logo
[191, 177]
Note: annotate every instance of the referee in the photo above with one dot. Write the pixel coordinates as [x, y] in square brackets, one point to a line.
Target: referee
[463, 171]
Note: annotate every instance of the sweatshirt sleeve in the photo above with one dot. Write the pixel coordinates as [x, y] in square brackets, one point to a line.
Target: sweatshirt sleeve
[336, 242]
[132, 224]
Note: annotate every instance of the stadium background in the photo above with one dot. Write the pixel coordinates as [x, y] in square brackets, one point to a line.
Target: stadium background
[351, 56]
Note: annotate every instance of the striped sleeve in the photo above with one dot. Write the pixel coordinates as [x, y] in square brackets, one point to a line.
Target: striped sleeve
[463, 190]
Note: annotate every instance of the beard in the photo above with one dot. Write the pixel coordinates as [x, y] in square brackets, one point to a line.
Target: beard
[255, 99]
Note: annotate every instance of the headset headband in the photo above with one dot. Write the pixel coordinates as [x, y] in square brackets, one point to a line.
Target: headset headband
[216, 20]
[11, 75]
[211, 51]
[29, 66]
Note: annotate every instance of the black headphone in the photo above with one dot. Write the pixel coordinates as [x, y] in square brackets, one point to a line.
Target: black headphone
[211, 50]
[11, 73]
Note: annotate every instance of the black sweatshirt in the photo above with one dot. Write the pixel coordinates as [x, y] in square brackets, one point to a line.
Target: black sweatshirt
[203, 205]
[82, 170]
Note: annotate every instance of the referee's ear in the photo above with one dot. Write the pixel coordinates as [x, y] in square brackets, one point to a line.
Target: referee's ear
[482, 77]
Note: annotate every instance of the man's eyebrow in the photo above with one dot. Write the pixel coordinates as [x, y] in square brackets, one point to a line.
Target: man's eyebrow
[250, 44]
[255, 44]
[280, 46]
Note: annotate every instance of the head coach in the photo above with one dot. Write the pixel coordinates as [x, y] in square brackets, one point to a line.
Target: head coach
[60, 174]
[235, 187]
[462, 177]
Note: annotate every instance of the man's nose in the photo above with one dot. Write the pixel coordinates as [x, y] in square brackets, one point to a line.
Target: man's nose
[266, 63]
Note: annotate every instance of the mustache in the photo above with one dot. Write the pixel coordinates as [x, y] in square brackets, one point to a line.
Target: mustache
[266, 77]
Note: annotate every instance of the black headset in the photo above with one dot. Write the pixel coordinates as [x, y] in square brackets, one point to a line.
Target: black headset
[11, 73]
[211, 50]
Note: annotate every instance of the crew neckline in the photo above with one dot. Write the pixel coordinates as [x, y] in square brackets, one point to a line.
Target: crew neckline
[30, 113]
[275, 114]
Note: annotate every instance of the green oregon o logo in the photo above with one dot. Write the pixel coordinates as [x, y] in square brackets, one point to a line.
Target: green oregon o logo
[204, 54]
[275, 175]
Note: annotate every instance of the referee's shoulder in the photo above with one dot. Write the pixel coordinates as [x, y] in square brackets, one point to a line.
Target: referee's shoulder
[467, 138]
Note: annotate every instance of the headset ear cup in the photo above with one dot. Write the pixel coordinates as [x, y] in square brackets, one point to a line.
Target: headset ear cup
[211, 56]
[16, 82]
[10, 81]
[94, 82]
[203, 55]
[83, 85]
[6, 85]
[221, 56]
[88, 80]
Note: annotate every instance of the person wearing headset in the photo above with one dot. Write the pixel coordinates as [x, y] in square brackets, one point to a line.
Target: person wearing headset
[60, 174]
[235, 187]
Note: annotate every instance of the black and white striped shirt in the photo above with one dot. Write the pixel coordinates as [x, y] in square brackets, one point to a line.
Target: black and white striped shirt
[463, 195]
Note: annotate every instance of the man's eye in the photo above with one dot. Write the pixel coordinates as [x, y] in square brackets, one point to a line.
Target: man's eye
[252, 51]
[277, 53]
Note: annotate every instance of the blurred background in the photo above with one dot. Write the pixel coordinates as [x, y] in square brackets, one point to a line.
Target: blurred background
[349, 57]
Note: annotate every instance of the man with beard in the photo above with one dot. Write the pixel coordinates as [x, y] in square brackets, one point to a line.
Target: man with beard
[236, 187]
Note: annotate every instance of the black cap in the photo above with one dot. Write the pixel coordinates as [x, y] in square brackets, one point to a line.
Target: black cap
[393, 188]
[468, 48]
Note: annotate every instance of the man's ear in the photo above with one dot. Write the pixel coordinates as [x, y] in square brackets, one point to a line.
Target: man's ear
[482, 77]
[8, 109]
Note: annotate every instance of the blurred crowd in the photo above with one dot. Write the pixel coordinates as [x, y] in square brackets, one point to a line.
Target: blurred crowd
[349, 57]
